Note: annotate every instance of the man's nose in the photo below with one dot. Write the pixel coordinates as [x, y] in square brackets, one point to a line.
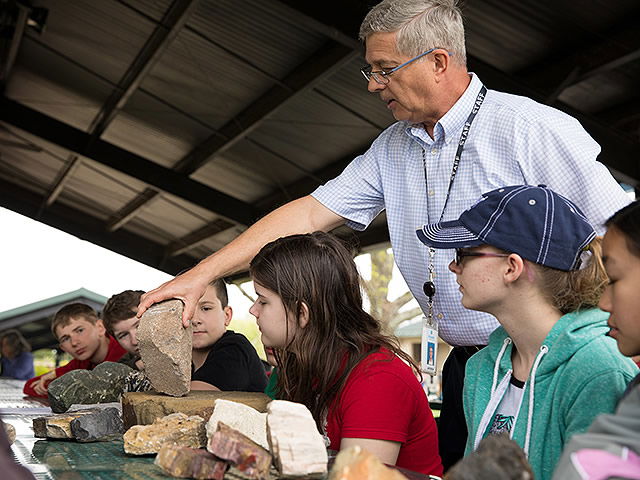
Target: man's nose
[373, 86]
[454, 267]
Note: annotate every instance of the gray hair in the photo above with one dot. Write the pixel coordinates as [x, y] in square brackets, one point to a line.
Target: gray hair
[420, 25]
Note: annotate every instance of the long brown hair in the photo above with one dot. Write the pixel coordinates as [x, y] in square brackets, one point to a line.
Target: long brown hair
[317, 270]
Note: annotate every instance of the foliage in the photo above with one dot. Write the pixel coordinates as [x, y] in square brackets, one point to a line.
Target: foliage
[389, 312]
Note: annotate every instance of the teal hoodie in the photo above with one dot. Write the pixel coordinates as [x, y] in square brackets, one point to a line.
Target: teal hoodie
[578, 374]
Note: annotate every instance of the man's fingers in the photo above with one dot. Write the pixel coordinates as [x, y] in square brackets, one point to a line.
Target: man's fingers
[187, 313]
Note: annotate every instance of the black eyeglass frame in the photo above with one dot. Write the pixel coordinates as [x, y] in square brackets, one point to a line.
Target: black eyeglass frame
[461, 253]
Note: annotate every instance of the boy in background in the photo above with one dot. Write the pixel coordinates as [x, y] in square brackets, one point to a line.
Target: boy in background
[119, 317]
[222, 359]
[82, 335]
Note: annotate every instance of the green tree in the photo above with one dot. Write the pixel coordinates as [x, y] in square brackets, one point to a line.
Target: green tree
[377, 291]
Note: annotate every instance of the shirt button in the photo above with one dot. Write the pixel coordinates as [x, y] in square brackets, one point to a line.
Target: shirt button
[440, 316]
[431, 193]
[434, 151]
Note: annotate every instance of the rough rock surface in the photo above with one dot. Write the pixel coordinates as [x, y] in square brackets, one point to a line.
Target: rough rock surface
[105, 424]
[297, 446]
[243, 418]
[177, 428]
[165, 348]
[497, 457]
[107, 421]
[186, 462]
[142, 408]
[10, 430]
[354, 463]
[102, 384]
[250, 458]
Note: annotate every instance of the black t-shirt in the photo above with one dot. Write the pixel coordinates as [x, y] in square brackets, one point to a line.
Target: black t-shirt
[232, 365]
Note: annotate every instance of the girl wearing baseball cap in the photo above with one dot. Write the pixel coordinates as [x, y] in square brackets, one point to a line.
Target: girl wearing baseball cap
[529, 257]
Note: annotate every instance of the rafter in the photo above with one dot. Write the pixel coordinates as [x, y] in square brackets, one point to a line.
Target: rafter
[305, 76]
[151, 173]
[157, 43]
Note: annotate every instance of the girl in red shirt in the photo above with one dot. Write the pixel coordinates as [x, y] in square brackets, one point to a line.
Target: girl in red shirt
[333, 357]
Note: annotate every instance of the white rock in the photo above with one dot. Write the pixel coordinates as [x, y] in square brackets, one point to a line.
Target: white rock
[297, 446]
[238, 416]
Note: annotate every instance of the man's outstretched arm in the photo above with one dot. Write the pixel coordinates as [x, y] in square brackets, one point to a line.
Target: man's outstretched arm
[303, 215]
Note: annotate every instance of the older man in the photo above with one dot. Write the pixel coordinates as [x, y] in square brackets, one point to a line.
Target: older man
[454, 139]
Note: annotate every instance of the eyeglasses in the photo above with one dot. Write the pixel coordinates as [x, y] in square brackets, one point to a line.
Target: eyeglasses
[382, 77]
[460, 254]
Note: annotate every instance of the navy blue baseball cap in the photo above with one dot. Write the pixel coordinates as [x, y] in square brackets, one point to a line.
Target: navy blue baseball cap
[534, 222]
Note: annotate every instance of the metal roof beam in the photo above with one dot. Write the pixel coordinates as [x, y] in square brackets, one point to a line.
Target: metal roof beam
[153, 174]
[90, 228]
[162, 36]
[196, 237]
[326, 61]
[620, 47]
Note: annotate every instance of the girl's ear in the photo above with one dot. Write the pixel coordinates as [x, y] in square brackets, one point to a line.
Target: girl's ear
[515, 268]
[303, 315]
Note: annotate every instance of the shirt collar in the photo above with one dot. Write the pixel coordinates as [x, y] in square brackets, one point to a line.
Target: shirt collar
[451, 122]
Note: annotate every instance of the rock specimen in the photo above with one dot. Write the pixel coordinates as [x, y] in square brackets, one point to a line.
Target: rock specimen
[92, 424]
[165, 348]
[142, 408]
[186, 462]
[296, 445]
[249, 457]
[137, 381]
[102, 384]
[104, 424]
[497, 457]
[246, 420]
[354, 463]
[10, 430]
[177, 428]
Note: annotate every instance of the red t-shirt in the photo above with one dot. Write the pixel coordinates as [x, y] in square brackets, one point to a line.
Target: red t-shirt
[114, 353]
[383, 400]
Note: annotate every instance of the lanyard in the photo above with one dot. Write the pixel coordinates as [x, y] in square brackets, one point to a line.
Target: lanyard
[456, 161]
[430, 327]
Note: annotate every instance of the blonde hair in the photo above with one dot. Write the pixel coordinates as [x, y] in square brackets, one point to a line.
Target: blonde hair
[577, 289]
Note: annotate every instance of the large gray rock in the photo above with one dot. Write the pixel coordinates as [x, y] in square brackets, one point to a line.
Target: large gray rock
[102, 384]
[103, 424]
[165, 348]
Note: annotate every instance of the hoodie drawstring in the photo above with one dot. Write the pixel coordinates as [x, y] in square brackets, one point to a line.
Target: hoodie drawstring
[543, 350]
[496, 367]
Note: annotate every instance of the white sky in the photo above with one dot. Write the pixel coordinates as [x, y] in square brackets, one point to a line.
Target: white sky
[38, 262]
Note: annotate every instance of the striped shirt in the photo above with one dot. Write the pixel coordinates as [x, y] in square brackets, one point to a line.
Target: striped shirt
[513, 140]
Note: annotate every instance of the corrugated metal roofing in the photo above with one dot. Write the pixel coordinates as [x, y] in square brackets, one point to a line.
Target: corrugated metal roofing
[250, 104]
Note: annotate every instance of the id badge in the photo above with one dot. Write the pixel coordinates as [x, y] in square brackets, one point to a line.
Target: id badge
[429, 347]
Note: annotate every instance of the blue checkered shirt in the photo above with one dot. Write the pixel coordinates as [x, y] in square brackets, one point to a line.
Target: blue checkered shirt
[513, 140]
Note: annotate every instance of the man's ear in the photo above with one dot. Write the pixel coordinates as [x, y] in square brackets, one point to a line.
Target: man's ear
[515, 268]
[303, 315]
[441, 61]
[228, 315]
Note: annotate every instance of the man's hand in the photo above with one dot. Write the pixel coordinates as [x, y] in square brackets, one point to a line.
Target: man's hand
[42, 385]
[188, 287]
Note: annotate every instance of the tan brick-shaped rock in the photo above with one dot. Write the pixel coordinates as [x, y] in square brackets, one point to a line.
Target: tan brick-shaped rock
[165, 348]
[176, 429]
[142, 408]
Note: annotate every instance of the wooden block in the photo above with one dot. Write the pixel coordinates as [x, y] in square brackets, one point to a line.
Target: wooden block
[142, 408]
[165, 348]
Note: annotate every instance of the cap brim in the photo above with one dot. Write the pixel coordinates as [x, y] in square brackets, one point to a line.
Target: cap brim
[447, 235]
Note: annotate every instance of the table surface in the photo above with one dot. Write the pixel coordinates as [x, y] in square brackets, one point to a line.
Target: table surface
[70, 460]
